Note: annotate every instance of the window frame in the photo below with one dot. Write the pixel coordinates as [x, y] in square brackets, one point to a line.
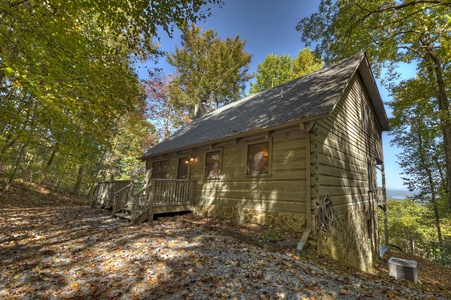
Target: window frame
[159, 169]
[216, 176]
[269, 165]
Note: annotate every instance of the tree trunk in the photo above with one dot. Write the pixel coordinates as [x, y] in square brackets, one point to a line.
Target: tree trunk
[434, 205]
[13, 174]
[445, 118]
[47, 166]
[3, 151]
[430, 178]
[77, 187]
[437, 222]
[384, 195]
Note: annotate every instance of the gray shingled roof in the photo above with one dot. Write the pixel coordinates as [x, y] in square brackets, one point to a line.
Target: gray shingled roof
[313, 95]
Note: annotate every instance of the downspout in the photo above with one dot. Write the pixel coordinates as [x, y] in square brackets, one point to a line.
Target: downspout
[306, 128]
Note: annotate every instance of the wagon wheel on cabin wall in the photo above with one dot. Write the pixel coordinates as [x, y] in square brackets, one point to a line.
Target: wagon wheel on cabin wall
[325, 213]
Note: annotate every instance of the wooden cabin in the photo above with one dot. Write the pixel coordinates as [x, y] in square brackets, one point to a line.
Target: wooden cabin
[304, 156]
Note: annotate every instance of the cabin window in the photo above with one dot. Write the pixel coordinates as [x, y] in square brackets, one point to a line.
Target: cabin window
[213, 164]
[183, 168]
[258, 159]
[160, 169]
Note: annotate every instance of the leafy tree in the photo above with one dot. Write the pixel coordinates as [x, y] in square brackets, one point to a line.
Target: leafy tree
[416, 130]
[391, 32]
[163, 112]
[411, 228]
[67, 82]
[408, 220]
[305, 63]
[275, 70]
[135, 134]
[208, 70]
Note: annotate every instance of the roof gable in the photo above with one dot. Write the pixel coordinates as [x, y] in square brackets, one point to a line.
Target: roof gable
[309, 97]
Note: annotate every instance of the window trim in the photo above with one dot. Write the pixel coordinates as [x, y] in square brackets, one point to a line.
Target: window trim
[220, 164]
[269, 141]
[159, 168]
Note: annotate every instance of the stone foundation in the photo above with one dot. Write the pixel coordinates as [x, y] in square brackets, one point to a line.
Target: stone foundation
[353, 238]
[288, 221]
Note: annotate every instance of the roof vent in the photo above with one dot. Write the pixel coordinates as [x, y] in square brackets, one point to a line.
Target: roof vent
[403, 269]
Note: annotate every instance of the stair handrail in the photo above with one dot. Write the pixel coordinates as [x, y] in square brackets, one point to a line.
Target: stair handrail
[142, 190]
[116, 198]
[132, 200]
[136, 205]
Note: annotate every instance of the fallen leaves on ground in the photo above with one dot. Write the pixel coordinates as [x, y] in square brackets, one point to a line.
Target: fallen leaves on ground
[27, 195]
[79, 252]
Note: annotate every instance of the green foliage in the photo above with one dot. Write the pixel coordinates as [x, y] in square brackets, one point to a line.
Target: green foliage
[68, 91]
[409, 220]
[305, 63]
[208, 70]
[416, 129]
[135, 134]
[405, 217]
[389, 31]
[275, 70]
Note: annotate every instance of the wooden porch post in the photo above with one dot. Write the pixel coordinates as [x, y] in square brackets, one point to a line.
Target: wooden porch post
[115, 199]
[134, 202]
[150, 198]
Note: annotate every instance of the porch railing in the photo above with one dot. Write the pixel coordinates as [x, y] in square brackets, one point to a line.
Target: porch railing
[103, 194]
[122, 197]
[162, 193]
[139, 202]
[172, 191]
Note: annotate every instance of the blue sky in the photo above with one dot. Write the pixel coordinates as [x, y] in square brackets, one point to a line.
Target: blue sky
[269, 26]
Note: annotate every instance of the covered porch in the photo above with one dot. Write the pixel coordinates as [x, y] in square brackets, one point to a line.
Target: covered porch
[138, 202]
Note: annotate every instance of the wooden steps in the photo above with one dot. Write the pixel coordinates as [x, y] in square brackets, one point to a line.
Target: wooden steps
[127, 214]
[124, 216]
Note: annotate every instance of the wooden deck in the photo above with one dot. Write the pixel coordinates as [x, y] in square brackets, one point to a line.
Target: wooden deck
[139, 203]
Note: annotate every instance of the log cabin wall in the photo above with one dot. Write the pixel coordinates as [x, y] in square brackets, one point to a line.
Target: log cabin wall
[349, 144]
[276, 198]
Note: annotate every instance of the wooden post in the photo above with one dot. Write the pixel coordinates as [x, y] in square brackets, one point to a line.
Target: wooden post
[193, 193]
[115, 197]
[150, 199]
[134, 202]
